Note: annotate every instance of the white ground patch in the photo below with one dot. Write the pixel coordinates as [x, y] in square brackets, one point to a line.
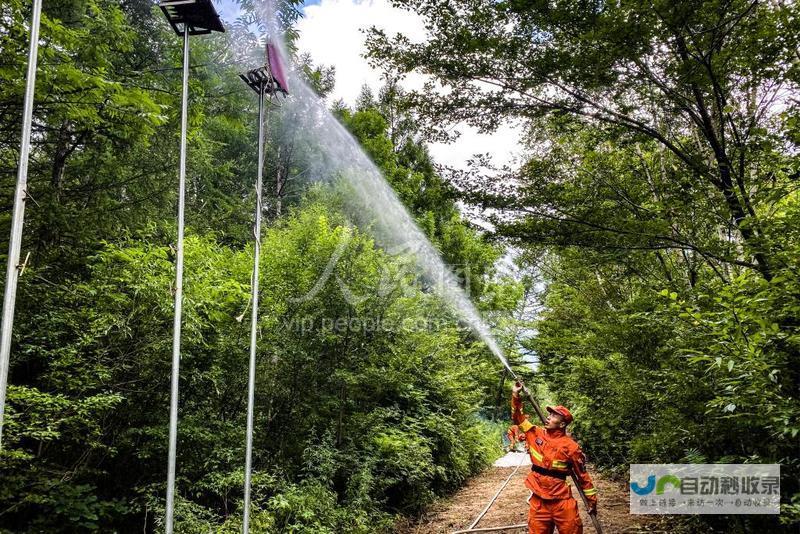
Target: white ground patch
[513, 459]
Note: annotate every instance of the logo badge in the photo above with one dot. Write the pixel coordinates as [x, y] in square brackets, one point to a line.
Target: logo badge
[705, 489]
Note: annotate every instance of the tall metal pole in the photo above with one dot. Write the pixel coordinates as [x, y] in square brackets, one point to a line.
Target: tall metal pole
[176, 337]
[251, 379]
[15, 242]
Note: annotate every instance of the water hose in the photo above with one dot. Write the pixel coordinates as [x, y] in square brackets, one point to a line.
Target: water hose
[496, 495]
[494, 529]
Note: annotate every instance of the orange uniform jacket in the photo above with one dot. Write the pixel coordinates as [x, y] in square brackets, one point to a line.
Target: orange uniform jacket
[552, 450]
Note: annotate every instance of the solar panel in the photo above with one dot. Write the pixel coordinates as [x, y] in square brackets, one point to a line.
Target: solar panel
[198, 15]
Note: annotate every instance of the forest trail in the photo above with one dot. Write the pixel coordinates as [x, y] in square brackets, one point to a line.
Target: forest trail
[460, 510]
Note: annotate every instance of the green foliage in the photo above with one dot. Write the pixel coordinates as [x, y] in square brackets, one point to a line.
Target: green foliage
[674, 375]
[657, 210]
[354, 423]
[361, 419]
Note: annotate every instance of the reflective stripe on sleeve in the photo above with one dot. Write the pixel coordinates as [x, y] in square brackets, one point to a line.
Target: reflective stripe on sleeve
[589, 492]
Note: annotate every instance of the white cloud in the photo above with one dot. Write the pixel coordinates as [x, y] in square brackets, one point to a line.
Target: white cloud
[228, 10]
[502, 146]
[332, 33]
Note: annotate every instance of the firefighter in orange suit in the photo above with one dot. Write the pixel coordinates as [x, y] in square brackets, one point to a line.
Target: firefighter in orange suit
[516, 435]
[553, 454]
[513, 437]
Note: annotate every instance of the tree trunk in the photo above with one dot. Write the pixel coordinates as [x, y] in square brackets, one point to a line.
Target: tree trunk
[63, 150]
[740, 219]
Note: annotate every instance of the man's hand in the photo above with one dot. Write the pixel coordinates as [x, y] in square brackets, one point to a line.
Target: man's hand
[593, 506]
[515, 389]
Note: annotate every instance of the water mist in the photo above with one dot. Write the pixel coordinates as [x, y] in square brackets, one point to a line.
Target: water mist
[338, 154]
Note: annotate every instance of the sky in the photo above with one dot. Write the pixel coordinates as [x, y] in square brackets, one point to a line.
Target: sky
[331, 31]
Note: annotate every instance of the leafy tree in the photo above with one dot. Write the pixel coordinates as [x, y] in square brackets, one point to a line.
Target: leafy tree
[657, 207]
[699, 81]
[377, 415]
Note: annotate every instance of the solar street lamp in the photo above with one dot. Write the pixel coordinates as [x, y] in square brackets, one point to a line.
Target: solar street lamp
[266, 80]
[187, 17]
[13, 267]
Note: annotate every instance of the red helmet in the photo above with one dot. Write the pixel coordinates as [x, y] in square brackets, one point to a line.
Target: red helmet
[562, 411]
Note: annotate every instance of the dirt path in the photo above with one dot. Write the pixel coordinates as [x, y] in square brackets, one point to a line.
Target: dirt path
[511, 508]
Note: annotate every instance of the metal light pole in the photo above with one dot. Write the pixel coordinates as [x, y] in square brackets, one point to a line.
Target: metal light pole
[187, 17]
[15, 242]
[251, 377]
[263, 81]
[176, 325]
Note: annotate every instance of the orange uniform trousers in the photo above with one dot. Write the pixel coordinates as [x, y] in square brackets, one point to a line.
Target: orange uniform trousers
[547, 514]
